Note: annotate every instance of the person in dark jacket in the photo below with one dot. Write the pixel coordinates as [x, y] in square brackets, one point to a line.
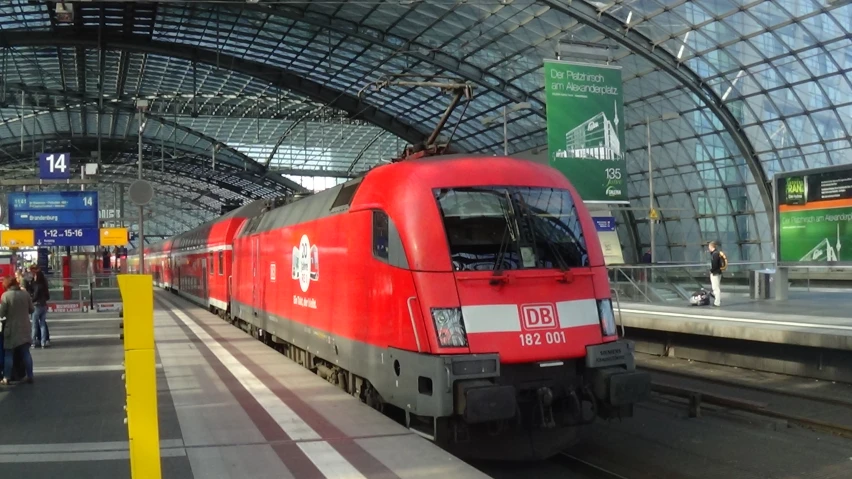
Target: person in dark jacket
[715, 272]
[15, 309]
[40, 296]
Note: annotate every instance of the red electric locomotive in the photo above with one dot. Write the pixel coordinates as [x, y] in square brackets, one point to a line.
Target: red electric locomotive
[470, 293]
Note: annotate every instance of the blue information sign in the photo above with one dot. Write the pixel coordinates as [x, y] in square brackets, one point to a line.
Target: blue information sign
[604, 223]
[54, 166]
[48, 210]
[68, 237]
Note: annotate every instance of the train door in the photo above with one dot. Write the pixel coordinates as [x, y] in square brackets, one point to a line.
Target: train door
[255, 276]
[229, 272]
[262, 262]
[177, 284]
[204, 278]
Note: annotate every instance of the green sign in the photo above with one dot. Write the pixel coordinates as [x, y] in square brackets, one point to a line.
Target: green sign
[795, 191]
[585, 128]
[814, 217]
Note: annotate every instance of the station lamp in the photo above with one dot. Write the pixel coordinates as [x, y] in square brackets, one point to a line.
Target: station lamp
[570, 47]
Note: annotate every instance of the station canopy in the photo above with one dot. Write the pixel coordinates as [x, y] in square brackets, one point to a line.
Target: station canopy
[273, 87]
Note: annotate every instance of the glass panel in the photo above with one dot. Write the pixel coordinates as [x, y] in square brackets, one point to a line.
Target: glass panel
[511, 228]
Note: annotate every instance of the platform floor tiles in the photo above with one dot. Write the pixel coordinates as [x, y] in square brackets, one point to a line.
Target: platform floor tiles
[808, 306]
[229, 407]
[816, 319]
[70, 423]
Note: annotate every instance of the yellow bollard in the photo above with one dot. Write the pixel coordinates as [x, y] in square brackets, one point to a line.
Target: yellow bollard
[137, 296]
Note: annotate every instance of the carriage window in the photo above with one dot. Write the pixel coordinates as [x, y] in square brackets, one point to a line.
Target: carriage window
[221, 263]
[380, 235]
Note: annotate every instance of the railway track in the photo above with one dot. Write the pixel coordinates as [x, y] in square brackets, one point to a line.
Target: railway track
[592, 471]
[561, 466]
[847, 402]
[729, 416]
[697, 396]
[804, 409]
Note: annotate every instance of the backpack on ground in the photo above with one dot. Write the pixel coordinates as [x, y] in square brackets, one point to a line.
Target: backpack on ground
[700, 298]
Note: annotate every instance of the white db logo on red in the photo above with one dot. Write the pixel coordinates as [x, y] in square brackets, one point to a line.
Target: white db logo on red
[539, 316]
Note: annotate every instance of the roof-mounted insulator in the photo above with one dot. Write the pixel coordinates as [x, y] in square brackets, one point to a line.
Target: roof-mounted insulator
[64, 12]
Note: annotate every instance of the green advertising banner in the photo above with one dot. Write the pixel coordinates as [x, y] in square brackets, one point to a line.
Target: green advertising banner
[585, 128]
[814, 217]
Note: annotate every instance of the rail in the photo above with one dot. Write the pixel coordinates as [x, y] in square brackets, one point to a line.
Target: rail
[696, 396]
[705, 265]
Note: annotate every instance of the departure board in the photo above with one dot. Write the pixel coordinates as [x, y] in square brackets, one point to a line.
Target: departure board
[48, 210]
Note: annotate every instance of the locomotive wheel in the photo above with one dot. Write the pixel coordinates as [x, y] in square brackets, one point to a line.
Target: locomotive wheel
[372, 398]
[342, 380]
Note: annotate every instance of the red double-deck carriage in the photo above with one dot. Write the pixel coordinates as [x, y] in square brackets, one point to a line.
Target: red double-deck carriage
[469, 294]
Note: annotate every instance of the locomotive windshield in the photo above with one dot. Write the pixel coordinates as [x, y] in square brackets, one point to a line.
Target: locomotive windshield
[496, 228]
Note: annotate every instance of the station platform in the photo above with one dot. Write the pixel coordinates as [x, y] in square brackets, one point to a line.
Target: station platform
[229, 407]
[818, 319]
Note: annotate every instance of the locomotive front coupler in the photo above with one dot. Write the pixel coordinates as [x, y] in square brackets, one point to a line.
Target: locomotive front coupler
[545, 406]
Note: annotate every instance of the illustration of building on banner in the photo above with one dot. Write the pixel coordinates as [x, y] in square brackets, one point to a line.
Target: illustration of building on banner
[595, 138]
[824, 250]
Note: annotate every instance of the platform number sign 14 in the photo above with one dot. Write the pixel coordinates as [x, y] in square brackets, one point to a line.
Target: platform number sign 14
[54, 166]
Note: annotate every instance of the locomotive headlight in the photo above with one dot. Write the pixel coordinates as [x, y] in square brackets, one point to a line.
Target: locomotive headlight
[607, 317]
[449, 327]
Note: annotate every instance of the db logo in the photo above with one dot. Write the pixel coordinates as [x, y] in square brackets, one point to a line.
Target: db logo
[539, 316]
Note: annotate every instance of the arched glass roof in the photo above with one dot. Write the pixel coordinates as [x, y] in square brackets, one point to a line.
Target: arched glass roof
[761, 87]
[780, 68]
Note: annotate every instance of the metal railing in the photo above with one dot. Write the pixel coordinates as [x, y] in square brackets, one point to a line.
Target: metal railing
[90, 289]
[619, 321]
[673, 282]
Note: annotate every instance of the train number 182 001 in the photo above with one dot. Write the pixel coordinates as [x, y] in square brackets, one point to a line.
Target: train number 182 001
[550, 337]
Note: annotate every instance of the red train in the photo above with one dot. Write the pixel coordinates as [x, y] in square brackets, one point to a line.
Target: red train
[467, 294]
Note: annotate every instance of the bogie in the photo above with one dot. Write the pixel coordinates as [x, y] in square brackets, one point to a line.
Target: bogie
[353, 385]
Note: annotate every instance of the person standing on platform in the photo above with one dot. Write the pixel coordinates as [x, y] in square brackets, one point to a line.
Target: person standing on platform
[646, 259]
[40, 296]
[718, 263]
[16, 306]
[23, 282]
